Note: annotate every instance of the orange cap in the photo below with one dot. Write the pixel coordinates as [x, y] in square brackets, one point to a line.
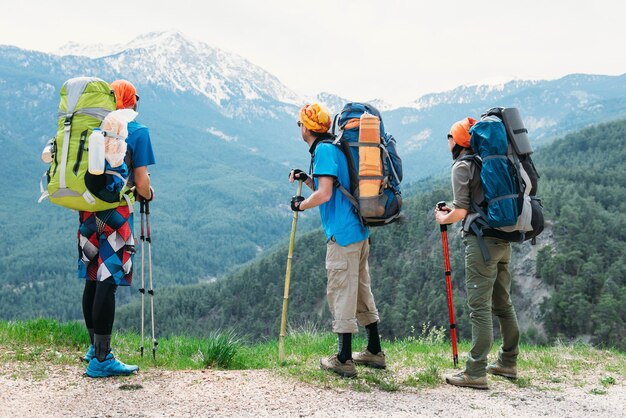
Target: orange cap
[315, 117]
[460, 132]
[125, 94]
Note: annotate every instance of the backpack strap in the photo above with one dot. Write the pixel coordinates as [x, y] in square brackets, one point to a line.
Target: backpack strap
[333, 127]
[354, 184]
[481, 242]
[125, 194]
[346, 193]
[388, 157]
[474, 158]
[475, 222]
[352, 200]
[44, 192]
[67, 127]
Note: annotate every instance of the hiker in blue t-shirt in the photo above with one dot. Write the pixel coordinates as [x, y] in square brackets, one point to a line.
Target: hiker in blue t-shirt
[348, 290]
[106, 247]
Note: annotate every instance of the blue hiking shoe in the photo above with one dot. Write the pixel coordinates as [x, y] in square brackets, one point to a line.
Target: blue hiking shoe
[109, 367]
[91, 353]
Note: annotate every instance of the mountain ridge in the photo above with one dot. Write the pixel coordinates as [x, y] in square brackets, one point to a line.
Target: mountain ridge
[221, 173]
[174, 40]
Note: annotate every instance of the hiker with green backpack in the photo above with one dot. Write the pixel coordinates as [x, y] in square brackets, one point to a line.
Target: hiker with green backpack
[112, 265]
[97, 117]
[348, 288]
[494, 184]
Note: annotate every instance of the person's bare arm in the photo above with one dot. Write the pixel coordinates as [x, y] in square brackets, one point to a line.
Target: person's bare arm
[445, 215]
[322, 195]
[142, 182]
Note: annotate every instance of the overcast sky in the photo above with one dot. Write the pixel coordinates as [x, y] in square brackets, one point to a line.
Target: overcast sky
[360, 49]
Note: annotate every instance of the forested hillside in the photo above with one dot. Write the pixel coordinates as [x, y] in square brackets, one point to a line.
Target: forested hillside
[585, 188]
[581, 260]
[224, 138]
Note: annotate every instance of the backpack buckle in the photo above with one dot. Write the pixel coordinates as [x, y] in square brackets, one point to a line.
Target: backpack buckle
[68, 119]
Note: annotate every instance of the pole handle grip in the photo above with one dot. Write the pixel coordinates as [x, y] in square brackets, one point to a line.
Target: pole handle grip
[440, 206]
[299, 189]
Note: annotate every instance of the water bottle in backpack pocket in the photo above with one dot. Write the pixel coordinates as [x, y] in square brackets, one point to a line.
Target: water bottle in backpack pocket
[47, 154]
[112, 175]
[96, 153]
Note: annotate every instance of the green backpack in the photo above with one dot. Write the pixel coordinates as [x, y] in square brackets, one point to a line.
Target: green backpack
[85, 102]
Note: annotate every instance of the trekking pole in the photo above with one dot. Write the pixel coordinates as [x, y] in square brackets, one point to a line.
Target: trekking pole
[283, 319]
[448, 272]
[151, 291]
[142, 290]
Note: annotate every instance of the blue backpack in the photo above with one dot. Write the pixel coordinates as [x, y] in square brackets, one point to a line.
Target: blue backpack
[511, 210]
[386, 207]
[498, 176]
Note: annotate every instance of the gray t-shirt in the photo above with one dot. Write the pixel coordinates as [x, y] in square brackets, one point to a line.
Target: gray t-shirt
[466, 184]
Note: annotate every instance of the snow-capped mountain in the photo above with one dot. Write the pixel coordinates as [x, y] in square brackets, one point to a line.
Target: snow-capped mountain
[382, 105]
[89, 51]
[174, 62]
[473, 93]
[222, 97]
[223, 125]
[335, 103]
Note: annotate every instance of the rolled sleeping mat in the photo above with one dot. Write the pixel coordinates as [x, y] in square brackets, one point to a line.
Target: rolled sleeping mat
[370, 163]
[517, 133]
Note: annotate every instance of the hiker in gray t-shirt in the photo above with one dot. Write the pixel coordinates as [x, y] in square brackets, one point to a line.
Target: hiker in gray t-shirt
[488, 284]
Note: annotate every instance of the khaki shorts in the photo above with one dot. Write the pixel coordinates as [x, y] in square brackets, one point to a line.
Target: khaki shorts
[348, 289]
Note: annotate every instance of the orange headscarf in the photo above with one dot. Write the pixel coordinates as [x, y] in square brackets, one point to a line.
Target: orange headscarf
[315, 117]
[460, 132]
[125, 94]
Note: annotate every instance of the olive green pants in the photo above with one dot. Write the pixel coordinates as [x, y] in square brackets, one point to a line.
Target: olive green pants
[489, 292]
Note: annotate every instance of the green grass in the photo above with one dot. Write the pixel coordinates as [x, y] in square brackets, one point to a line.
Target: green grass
[607, 380]
[419, 361]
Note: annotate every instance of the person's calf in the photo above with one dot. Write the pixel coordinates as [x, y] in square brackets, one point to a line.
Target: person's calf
[345, 347]
[373, 338]
[102, 346]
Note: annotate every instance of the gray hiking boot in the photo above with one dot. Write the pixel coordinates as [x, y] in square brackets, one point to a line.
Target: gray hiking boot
[365, 358]
[332, 364]
[464, 380]
[499, 370]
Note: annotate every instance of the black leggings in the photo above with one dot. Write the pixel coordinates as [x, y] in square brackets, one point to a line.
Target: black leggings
[99, 306]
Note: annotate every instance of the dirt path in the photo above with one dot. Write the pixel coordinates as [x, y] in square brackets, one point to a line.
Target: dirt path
[28, 390]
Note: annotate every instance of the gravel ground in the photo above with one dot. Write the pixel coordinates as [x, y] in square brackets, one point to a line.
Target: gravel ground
[35, 390]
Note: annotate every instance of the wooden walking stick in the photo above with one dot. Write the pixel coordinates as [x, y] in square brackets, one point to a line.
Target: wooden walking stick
[448, 273]
[283, 319]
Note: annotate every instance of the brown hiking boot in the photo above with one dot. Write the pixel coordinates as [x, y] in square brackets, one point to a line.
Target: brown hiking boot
[498, 370]
[332, 364]
[365, 358]
[464, 380]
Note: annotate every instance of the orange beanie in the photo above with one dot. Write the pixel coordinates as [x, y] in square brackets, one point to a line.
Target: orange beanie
[460, 132]
[315, 117]
[125, 94]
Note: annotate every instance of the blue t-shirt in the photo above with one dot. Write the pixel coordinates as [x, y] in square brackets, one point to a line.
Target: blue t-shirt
[338, 216]
[139, 144]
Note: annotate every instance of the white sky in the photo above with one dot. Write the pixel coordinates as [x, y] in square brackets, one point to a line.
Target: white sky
[360, 49]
